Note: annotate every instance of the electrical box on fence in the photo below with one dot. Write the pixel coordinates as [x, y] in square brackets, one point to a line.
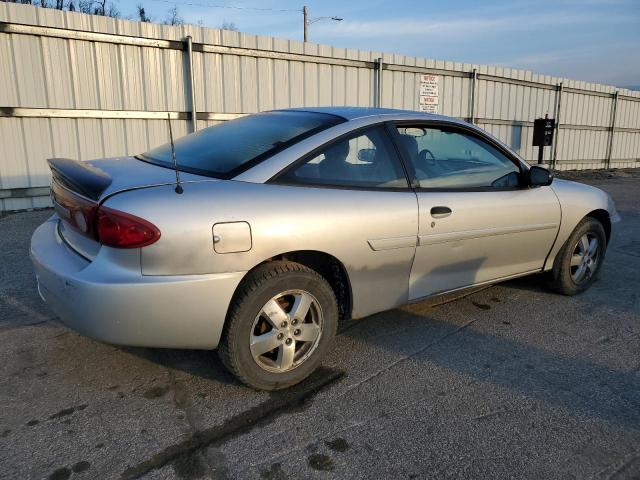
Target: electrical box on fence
[543, 132]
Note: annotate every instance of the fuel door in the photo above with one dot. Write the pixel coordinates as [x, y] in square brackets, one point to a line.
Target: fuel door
[231, 237]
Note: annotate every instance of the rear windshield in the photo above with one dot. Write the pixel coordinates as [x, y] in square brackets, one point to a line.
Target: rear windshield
[226, 149]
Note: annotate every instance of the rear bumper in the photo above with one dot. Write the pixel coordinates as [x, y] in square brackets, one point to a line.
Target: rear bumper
[110, 300]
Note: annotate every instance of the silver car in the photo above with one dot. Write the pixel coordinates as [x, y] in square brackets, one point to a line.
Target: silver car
[257, 235]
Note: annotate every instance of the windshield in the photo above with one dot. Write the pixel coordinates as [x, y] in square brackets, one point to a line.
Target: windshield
[230, 147]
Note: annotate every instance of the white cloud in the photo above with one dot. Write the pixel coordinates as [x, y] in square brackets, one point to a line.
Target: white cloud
[462, 26]
[615, 63]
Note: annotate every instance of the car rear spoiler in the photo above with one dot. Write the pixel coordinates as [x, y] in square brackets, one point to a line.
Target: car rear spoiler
[79, 177]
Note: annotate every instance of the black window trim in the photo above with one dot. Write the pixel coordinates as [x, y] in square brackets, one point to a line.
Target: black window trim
[256, 160]
[393, 131]
[274, 180]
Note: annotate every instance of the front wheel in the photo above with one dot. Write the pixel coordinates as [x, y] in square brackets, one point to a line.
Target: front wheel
[580, 258]
[280, 324]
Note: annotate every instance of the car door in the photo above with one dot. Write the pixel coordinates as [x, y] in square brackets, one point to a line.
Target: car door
[478, 222]
[353, 197]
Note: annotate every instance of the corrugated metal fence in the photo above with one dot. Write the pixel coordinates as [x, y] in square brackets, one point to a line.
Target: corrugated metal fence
[85, 86]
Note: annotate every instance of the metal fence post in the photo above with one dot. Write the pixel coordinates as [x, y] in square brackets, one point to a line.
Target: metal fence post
[613, 127]
[192, 90]
[378, 82]
[474, 79]
[554, 157]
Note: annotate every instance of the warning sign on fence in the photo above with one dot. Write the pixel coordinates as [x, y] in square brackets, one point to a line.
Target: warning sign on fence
[429, 93]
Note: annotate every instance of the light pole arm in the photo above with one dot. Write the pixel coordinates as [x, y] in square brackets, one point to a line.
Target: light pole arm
[314, 20]
[308, 21]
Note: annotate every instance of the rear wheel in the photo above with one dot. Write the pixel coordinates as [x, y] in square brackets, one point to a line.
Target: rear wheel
[281, 322]
[580, 258]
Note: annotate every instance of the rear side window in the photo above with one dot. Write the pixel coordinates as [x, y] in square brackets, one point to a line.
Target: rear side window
[363, 160]
[230, 147]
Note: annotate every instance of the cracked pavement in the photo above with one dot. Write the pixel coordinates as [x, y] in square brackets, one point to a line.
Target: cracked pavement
[506, 381]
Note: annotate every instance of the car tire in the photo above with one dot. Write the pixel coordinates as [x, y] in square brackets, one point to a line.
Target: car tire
[255, 322]
[574, 271]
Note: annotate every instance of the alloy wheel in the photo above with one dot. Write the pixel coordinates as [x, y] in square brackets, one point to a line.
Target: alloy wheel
[585, 258]
[286, 331]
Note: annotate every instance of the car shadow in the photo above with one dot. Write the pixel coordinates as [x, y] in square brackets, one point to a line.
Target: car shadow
[572, 383]
[530, 283]
[200, 363]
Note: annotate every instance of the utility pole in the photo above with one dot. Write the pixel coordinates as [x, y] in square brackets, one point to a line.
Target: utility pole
[305, 14]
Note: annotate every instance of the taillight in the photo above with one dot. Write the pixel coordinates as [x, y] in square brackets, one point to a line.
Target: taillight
[123, 230]
[76, 210]
[110, 227]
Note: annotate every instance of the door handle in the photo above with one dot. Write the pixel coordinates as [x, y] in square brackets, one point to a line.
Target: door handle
[440, 212]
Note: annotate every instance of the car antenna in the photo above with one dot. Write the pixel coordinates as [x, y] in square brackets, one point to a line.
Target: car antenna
[173, 157]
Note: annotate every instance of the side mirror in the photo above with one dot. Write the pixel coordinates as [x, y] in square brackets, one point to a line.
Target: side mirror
[367, 154]
[539, 176]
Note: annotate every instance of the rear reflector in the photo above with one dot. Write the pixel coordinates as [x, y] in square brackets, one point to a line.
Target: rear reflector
[122, 230]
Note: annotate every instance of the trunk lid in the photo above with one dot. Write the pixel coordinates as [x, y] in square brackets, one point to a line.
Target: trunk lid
[128, 173]
[97, 179]
[79, 187]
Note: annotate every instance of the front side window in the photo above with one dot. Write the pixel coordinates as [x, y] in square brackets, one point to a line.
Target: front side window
[223, 149]
[450, 158]
[366, 160]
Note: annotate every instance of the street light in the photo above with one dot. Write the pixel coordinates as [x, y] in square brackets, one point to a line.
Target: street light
[308, 21]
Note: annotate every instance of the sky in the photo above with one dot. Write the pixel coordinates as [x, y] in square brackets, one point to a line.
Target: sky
[591, 40]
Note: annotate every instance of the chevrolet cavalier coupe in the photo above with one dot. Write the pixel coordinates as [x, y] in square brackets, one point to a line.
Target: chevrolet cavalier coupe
[255, 236]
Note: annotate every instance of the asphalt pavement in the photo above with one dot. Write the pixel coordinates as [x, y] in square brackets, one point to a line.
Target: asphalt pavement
[508, 381]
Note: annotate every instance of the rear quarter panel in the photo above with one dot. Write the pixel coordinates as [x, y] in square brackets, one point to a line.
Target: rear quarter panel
[282, 219]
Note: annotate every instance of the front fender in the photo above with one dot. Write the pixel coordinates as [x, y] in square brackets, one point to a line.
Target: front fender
[577, 200]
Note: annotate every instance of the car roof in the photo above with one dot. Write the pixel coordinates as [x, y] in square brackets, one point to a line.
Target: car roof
[351, 113]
